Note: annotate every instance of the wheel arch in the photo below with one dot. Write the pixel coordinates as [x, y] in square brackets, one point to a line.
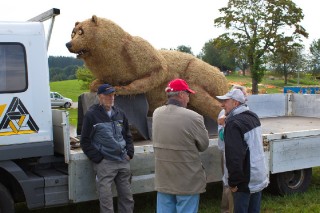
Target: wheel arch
[290, 182]
[20, 185]
[9, 177]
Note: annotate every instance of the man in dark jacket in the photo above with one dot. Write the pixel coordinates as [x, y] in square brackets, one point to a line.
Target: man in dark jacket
[107, 142]
[244, 154]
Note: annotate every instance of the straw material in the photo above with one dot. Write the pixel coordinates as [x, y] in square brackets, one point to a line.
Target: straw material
[134, 66]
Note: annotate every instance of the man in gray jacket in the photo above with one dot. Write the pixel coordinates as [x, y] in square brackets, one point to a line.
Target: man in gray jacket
[245, 161]
[179, 134]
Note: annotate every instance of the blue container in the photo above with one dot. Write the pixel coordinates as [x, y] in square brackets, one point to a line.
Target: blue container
[302, 90]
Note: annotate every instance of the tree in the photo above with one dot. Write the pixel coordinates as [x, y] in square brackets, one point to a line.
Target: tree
[315, 57]
[185, 49]
[287, 58]
[218, 53]
[230, 54]
[232, 51]
[63, 61]
[56, 74]
[61, 74]
[256, 25]
[85, 75]
[210, 54]
[63, 68]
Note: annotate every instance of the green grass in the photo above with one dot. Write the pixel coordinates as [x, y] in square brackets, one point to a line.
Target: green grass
[73, 116]
[70, 88]
[302, 203]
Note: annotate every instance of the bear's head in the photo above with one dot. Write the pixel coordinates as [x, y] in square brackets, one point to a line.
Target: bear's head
[94, 36]
[82, 36]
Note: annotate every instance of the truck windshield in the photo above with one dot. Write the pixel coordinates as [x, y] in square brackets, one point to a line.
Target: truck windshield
[13, 71]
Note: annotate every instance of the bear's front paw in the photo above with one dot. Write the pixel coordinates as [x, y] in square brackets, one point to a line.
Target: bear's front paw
[121, 90]
[95, 85]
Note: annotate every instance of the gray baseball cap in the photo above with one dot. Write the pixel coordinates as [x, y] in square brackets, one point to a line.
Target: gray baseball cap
[235, 94]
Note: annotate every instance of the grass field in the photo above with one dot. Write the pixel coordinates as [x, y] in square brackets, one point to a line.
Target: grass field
[210, 201]
[70, 88]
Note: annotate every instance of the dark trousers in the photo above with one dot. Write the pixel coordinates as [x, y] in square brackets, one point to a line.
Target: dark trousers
[245, 202]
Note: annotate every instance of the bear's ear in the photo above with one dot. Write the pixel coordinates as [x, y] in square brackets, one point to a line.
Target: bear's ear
[77, 23]
[94, 19]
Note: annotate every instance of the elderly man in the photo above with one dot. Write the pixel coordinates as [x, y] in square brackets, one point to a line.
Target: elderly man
[107, 142]
[227, 198]
[244, 153]
[179, 134]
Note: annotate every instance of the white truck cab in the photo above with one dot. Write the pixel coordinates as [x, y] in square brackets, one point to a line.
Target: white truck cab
[24, 102]
[29, 159]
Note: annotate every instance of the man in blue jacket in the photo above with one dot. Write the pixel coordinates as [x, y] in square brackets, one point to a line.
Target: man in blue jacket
[244, 154]
[107, 142]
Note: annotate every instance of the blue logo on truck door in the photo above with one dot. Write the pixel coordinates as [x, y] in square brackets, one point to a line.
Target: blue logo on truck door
[16, 120]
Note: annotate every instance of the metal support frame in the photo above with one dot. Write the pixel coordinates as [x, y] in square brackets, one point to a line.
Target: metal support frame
[50, 14]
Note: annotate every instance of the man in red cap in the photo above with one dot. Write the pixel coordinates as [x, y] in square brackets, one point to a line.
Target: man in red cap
[178, 135]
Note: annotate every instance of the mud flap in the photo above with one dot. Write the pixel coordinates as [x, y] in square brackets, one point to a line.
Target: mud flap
[136, 109]
[211, 125]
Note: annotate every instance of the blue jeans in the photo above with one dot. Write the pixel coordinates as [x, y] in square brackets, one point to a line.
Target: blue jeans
[245, 202]
[168, 203]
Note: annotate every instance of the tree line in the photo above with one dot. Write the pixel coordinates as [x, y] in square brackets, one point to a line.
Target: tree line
[63, 68]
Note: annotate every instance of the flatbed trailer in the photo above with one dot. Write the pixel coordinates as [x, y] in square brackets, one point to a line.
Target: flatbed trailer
[291, 133]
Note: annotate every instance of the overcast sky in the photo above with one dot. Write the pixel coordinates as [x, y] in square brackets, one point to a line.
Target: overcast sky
[164, 23]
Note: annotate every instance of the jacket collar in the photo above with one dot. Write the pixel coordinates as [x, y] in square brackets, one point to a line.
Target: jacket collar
[237, 110]
[174, 102]
[100, 107]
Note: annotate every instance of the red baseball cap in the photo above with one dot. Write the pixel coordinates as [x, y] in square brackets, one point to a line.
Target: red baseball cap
[178, 85]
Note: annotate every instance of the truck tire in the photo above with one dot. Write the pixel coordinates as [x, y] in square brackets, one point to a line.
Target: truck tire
[6, 201]
[290, 182]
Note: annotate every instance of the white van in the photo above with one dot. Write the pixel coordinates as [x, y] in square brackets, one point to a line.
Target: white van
[58, 100]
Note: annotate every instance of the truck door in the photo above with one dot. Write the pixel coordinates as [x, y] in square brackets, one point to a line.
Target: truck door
[25, 112]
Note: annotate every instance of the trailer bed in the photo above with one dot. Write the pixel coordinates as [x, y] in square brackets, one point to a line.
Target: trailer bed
[269, 126]
[288, 124]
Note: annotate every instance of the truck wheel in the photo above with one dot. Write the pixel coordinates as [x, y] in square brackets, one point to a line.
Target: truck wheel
[6, 201]
[290, 182]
